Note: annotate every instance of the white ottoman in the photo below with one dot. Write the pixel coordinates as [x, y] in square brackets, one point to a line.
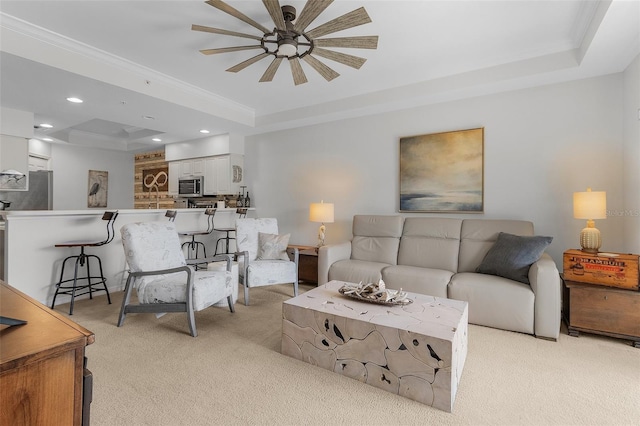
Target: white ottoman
[222, 266]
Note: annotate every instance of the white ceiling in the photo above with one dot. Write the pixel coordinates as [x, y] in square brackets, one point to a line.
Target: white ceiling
[134, 59]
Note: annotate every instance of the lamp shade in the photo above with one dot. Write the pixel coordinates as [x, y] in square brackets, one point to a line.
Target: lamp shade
[321, 212]
[590, 204]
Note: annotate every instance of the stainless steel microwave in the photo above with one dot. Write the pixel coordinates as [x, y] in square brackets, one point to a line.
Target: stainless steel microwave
[192, 186]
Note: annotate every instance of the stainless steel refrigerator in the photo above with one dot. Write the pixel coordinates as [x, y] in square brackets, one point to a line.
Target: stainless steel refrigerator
[38, 197]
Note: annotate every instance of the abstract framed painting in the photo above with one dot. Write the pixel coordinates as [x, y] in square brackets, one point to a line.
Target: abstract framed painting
[442, 172]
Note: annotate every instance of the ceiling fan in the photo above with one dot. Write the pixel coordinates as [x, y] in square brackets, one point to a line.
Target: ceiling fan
[290, 40]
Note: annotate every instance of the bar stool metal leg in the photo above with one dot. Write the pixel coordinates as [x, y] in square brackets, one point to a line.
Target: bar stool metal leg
[71, 286]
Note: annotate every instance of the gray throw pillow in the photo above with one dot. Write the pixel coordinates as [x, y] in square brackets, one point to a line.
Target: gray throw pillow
[512, 255]
[272, 246]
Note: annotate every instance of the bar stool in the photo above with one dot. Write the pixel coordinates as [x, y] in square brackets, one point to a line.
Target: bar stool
[193, 245]
[83, 259]
[241, 213]
[171, 214]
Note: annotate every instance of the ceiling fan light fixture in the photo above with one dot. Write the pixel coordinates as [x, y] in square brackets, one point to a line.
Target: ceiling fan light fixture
[293, 41]
[287, 47]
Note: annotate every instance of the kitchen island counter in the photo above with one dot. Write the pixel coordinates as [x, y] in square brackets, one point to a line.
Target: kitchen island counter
[32, 262]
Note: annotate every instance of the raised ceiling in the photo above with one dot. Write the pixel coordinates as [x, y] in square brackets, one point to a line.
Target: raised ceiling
[137, 63]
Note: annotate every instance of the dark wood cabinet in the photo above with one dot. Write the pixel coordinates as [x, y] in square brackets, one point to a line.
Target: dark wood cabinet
[602, 310]
[42, 371]
[307, 263]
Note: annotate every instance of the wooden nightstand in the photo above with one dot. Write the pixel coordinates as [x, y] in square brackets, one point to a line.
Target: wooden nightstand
[307, 263]
[605, 306]
[602, 310]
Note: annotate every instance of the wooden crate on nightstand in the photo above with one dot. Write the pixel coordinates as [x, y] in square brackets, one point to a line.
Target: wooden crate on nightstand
[608, 269]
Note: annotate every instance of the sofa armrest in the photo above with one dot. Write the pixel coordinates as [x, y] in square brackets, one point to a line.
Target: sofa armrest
[328, 255]
[545, 283]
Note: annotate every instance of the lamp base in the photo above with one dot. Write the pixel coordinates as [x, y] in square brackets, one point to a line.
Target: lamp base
[321, 231]
[590, 240]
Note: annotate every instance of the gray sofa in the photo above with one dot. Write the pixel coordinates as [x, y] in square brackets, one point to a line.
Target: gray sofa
[439, 257]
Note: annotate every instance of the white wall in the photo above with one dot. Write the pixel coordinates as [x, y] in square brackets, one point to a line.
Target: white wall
[541, 145]
[631, 207]
[71, 165]
[14, 122]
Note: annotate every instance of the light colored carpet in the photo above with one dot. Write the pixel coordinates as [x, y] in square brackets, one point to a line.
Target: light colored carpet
[152, 372]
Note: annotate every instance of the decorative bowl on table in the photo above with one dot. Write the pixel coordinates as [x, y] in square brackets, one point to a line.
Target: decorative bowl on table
[375, 293]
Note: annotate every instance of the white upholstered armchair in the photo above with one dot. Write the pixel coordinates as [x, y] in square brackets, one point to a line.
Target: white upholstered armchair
[163, 280]
[263, 255]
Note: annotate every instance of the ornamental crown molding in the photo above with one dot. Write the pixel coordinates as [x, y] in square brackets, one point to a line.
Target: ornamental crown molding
[83, 50]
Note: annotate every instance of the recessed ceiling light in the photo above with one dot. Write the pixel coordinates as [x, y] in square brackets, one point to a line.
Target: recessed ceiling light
[204, 131]
[75, 100]
[46, 125]
[156, 140]
[148, 117]
[47, 139]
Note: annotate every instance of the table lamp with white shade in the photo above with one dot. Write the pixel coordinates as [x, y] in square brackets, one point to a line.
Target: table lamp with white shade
[590, 205]
[323, 213]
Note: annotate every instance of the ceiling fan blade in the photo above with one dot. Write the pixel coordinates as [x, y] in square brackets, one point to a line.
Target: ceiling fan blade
[310, 11]
[362, 42]
[348, 20]
[350, 60]
[297, 72]
[271, 70]
[243, 65]
[273, 6]
[220, 5]
[229, 49]
[223, 32]
[322, 69]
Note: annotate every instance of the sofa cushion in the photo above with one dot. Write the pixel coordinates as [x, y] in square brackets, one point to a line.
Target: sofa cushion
[478, 235]
[495, 301]
[376, 238]
[354, 271]
[377, 226]
[429, 242]
[432, 282]
[512, 255]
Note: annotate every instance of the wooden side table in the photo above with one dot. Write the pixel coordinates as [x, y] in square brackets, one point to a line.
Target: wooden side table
[307, 263]
[598, 309]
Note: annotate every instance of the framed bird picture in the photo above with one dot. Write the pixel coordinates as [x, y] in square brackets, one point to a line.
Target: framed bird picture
[98, 188]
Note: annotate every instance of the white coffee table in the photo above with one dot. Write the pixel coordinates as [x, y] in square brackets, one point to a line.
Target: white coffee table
[416, 351]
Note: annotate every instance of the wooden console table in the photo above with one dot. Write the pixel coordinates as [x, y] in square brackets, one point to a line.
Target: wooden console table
[41, 365]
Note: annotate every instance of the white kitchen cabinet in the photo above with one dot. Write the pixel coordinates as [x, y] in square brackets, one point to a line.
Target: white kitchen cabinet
[175, 170]
[192, 167]
[223, 174]
[223, 164]
[210, 176]
[197, 167]
[184, 168]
